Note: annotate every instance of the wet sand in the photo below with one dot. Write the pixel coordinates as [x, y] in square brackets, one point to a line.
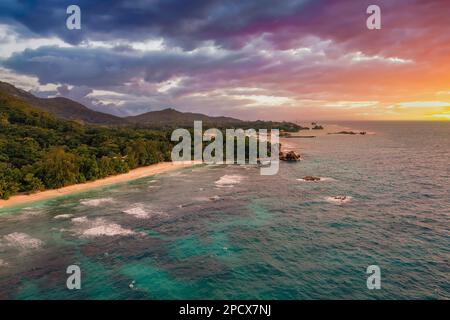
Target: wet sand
[132, 175]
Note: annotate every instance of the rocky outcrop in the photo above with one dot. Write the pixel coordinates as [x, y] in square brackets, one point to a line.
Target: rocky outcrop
[311, 178]
[317, 127]
[289, 156]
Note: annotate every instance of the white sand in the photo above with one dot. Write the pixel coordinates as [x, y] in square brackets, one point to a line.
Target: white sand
[132, 175]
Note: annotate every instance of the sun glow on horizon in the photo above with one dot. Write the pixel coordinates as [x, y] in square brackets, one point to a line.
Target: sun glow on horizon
[272, 65]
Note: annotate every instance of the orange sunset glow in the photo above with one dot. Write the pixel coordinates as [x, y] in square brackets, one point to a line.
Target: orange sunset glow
[307, 60]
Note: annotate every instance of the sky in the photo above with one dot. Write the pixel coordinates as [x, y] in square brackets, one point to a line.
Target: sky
[296, 60]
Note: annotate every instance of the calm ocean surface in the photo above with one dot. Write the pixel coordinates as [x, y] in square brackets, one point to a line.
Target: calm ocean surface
[226, 232]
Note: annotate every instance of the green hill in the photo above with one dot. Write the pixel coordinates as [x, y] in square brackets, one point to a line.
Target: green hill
[39, 151]
[63, 108]
[44, 145]
[60, 107]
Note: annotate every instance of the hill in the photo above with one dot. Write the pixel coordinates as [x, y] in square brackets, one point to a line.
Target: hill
[172, 118]
[39, 151]
[66, 109]
[62, 108]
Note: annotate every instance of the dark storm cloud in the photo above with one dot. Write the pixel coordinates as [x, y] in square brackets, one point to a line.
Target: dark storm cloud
[98, 67]
[303, 50]
[180, 22]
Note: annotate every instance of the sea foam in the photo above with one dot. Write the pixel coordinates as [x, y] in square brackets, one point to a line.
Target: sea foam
[99, 227]
[63, 216]
[142, 212]
[229, 180]
[22, 240]
[83, 219]
[96, 202]
[110, 229]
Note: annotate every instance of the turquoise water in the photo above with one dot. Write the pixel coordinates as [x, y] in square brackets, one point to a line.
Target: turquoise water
[226, 232]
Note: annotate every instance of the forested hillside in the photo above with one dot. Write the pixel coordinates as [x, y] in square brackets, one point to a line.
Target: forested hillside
[39, 151]
[167, 119]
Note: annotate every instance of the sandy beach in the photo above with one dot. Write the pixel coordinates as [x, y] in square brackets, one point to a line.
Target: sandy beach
[132, 175]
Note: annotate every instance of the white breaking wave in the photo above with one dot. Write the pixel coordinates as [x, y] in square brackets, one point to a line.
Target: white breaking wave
[229, 180]
[96, 202]
[22, 240]
[99, 227]
[109, 229]
[3, 263]
[137, 212]
[142, 212]
[83, 219]
[63, 216]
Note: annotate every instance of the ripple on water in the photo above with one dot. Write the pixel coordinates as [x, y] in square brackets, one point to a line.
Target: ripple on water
[207, 199]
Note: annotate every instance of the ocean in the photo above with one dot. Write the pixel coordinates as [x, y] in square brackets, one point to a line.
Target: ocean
[227, 232]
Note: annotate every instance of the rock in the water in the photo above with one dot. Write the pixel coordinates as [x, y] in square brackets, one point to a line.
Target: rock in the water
[311, 178]
[289, 156]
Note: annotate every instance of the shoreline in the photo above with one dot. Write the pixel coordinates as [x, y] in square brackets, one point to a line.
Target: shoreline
[134, 174]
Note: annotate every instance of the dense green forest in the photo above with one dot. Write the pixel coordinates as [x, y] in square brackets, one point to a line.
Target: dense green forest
[39, 151]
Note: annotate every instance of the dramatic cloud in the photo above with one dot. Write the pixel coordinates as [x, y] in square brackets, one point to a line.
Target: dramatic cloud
[183, 23]
[105, 67]
[241, 58]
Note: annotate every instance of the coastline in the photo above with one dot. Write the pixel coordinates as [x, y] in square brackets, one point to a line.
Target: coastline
[134, 174]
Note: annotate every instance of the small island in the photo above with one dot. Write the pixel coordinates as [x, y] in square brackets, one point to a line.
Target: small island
[288, 135]
[316, 126]
[348, 132]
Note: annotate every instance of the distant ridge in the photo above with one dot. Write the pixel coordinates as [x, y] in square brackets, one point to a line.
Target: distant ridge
[171, 117]
[66, 109]
[61, 107]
